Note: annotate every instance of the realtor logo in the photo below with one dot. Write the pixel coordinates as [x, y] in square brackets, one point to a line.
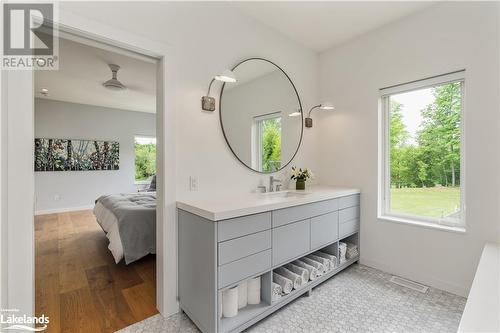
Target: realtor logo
[13, 320]
[29, 40]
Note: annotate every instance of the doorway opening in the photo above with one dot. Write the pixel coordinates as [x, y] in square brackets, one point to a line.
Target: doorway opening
[95, 222]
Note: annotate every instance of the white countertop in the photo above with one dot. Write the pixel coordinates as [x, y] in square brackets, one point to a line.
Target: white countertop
[482, 310]
[230, 206]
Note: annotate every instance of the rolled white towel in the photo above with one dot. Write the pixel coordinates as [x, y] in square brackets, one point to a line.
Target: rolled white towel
[276, 291]
[286, 284]
[331, 257]
[253, 292]
[319, 266]
[230, 302]
[296, 279]
[277, 288]
[323, 261]
[242, 294]
[304, 273]
[313, 272]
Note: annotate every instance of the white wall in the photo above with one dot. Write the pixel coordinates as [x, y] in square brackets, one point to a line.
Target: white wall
[206, 38]
[441, 39]
[197, 41]
[79, 189]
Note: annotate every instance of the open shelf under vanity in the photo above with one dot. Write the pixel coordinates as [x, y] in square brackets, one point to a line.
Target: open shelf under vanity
[246, 316]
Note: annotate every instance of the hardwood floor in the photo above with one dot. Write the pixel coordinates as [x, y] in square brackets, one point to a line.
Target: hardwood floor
[79, 286]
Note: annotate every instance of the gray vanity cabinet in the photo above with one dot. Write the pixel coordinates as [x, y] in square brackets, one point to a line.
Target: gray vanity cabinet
[302, 212]
[324, 229]
[348, 215]
[291, 241]
[215, 255]
[241, 226]
[241, 247]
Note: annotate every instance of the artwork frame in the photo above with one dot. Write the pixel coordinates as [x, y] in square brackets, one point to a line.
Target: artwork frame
[52, 154]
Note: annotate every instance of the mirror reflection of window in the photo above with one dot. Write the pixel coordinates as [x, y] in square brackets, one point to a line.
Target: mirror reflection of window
[267, 150]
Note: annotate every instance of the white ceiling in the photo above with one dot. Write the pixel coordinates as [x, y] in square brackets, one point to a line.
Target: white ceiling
[326, 24]
[83, 69]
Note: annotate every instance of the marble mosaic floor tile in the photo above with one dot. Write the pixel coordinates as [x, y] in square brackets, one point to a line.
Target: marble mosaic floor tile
[359, 299]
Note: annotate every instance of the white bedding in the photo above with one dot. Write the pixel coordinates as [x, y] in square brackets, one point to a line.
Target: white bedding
[109, 224]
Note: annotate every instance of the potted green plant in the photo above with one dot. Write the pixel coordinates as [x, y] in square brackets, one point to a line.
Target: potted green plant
[300, 176]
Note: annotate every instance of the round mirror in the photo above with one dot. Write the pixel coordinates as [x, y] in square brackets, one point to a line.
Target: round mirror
[261, 116]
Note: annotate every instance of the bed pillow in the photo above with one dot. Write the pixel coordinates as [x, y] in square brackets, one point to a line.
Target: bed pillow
[152, 185]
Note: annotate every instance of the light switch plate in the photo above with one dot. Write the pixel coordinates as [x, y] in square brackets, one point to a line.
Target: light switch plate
[193, 183]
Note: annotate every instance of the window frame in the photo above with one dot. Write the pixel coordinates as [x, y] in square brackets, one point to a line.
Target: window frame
[147, 181]
[384, 165]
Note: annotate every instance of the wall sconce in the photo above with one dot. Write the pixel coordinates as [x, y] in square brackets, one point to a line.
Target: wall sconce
[296, 113]
[322, 106]
[207, 102]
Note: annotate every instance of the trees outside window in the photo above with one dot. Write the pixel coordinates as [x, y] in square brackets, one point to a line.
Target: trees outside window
[271, 144]
[422, 161]
[266, 142]
[145, 157]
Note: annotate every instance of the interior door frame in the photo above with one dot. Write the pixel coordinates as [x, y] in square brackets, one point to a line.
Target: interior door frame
[17, 269]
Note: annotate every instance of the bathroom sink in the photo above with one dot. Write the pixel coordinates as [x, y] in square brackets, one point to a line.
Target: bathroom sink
[284, 194]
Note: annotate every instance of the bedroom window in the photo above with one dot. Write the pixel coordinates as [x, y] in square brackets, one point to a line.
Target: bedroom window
[421, 152]
[145, 158]
[267, 142]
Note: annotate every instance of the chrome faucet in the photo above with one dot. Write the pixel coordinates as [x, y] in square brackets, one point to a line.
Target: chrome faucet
[273, 180]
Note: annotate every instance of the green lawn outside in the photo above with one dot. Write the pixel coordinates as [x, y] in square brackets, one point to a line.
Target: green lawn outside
[431, 202]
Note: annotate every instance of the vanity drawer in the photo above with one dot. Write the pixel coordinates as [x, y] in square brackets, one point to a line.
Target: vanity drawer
[298, 213]
[241, 247]
[244, 268]
[348, 214]
[291, 241]
[324, 229]
[348, 227]
[242, 226]
[349, 201]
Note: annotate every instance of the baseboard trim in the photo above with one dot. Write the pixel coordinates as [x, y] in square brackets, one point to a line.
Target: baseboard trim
[62, 210]
[418, 277]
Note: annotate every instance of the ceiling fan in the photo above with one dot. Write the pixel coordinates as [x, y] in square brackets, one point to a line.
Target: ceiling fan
[113, 83]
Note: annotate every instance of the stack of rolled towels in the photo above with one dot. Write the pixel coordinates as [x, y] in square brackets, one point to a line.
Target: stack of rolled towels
[342, 252]
[297, 273]
[235, 298]
[347, 251]
[352, 251]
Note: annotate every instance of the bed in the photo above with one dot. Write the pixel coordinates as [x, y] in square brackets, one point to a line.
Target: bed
[129, 221]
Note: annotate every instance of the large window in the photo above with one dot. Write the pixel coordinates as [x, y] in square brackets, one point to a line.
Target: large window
[145, 158]
[421, 160]
[267, 151]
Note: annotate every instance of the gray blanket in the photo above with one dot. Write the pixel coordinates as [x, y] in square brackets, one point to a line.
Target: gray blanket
[136, 216]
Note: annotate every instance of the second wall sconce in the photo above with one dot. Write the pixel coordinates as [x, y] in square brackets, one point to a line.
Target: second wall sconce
[322, 106]
[207, 102]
